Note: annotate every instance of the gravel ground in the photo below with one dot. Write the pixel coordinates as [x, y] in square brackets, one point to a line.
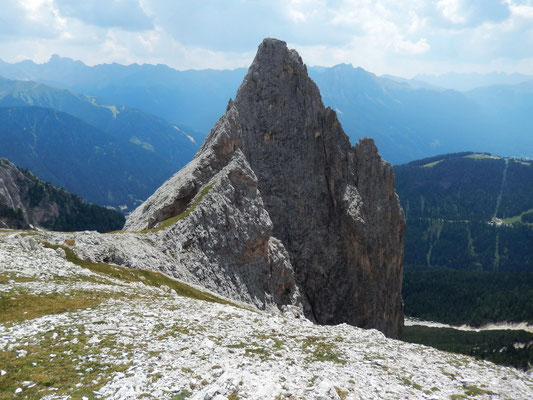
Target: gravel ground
[141, 341]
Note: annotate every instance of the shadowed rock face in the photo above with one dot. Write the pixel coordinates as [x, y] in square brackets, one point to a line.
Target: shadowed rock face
[27, 202]
[332, 206]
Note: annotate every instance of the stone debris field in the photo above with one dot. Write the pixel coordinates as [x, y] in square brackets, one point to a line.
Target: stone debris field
[83, 331]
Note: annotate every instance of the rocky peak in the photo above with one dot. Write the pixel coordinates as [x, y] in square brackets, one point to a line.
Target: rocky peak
[332, 206]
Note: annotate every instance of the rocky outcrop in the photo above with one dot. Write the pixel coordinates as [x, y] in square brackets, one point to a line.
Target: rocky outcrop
[333, 207]
[220, 238]
[27, 202]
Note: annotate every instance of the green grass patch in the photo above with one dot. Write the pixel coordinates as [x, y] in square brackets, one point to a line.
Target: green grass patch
[431, 164]
[471, 390]
[278, 343]
[171, 221]
[252, 349]
[184, 394]
[523, 218]
[234, 395]
[408, 382]
[341, 393]
[263, 353]
[18, 307]
[147, 277]
[58, 367]
[7, 277]
[482, 156]
[115, 232]
[457, 397]
[320, 350]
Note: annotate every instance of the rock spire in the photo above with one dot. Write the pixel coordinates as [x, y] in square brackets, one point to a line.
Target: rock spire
[332, 206]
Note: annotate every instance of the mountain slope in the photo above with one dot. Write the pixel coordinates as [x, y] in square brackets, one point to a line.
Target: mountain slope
[469, 238]
[410, 123]
[27, 201]
[124, 124]
[467, 82]
[193, 98]
[460, 207]
[136, 334]
[409, 120]
[70, 153]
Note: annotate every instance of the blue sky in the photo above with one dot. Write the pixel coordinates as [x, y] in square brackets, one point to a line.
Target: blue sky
[383, 36]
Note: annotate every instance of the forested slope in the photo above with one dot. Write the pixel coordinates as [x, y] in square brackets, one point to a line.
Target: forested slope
[469, 238]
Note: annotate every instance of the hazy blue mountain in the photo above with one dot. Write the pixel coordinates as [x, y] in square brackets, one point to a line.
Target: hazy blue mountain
[410, 123]
[194, 99]
[409, 120]
[412, 83]
[509, 111]
[68, 152]
[121, 123]
[466, 82]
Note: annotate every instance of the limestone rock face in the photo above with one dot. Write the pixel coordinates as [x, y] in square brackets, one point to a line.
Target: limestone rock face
[332, 206]
[223, 242]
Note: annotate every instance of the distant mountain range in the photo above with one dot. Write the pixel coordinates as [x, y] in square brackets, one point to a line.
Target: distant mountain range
[193, 99]
[409, 119]
[110, 155]
[26, 202]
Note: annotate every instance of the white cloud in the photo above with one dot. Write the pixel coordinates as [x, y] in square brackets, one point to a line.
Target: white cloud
[125, 14]
[408, 47]
[452, 11]
[473, 12]
[383, 36]
[522, 10]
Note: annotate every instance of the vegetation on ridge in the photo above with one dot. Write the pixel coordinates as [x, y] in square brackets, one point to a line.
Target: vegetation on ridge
[147, 277]
[171, 221]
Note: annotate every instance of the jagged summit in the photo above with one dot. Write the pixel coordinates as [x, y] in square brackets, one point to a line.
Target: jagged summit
[273, 64]
[332, 206]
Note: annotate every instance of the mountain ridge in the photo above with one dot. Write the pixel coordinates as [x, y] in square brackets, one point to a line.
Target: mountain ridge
[143, 339]
[136, 152]
[408, 120]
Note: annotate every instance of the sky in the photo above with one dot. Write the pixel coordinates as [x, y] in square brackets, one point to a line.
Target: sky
[403, 37]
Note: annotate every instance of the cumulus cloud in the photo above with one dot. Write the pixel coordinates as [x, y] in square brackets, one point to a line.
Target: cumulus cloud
[235, 25]
[408, 47]
[383, 36]
[30, 18]
[124, 14]
[473, 12]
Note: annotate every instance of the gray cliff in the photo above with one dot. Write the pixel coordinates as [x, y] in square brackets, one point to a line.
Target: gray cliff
[334, 217]
[221, 238]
